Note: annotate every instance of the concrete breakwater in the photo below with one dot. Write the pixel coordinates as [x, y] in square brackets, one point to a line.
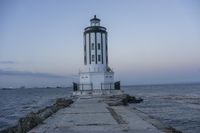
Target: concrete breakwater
[33, 119]
[90, 114]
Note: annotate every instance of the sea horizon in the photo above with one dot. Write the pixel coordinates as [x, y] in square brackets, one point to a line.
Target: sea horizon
[123, 85]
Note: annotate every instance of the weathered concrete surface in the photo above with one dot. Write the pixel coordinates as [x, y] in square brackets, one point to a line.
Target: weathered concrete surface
[93, 115]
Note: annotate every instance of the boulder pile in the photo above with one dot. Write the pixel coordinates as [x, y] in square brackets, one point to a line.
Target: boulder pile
[125, 99]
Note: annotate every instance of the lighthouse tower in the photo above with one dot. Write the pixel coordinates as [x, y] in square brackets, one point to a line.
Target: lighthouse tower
[96, 75]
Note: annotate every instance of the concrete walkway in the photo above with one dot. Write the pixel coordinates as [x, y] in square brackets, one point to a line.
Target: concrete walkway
[93, 115]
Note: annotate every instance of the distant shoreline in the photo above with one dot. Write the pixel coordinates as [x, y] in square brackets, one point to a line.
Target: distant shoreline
[189, 83]
[5, 88]
[135, 85]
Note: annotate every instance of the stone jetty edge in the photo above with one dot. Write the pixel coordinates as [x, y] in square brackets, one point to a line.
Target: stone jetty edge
[156, 123]
[32, 119]
[126, 99]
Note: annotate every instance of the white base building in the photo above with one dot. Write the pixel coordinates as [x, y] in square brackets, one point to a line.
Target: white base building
[96, 80]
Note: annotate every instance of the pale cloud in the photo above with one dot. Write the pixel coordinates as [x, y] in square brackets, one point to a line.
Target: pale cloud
[26, 73]
[7, 62]
[16, 78]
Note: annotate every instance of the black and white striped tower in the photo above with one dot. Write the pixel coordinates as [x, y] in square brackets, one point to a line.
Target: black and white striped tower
[95, 46]
[96, 72]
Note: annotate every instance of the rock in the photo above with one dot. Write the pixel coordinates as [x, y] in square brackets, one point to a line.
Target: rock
[63, 102]
[132, 99]
[28, 122]
[47, 112]
[118, 100]
[172, 130]
[116, 103]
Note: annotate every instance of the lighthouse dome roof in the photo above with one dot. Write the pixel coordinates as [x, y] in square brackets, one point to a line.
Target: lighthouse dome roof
[95, 19]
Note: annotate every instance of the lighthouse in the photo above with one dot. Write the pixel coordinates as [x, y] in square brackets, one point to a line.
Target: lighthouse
[95, 76]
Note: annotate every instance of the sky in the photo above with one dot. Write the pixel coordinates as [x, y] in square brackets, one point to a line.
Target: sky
[149, 41]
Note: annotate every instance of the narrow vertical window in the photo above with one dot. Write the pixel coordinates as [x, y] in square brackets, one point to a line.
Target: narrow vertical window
[102, 48]
[106, 50]
[99, 57]
[85, 54]
[92, 46]
[89, 49]
[85, 60]
[99, 46]
[92, 57]
[85, 51]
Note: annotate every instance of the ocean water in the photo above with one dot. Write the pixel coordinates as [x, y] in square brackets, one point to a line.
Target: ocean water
[174, 105]
[17, 103]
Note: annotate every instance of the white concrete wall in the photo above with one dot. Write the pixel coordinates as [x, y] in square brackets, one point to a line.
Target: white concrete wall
[97, 78]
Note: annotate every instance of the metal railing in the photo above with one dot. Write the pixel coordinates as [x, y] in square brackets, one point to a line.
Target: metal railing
[102, 86]
[85, 87]
[107, 86]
